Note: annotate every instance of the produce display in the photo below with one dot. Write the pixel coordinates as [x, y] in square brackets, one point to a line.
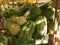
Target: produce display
[26, 22]
[41, 27]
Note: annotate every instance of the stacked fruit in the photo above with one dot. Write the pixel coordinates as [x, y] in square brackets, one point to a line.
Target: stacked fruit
[27, 21]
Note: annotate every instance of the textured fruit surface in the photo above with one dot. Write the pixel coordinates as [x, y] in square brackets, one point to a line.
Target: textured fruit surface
[27, 31]
[14, 18]
[41, 27]
[13, 28]
[21, 20]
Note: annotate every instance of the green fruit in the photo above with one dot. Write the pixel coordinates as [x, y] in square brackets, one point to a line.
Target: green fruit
[13, 28]
[32, 13]
[27, 31]
[41, 27]
[48, 13]
[14, 19]
[6, 22]
[12, 12]
[21, 20]
[40, 19]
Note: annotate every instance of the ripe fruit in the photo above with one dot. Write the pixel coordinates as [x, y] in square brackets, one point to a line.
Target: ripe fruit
[14, 18]
[21, 20]
[13, 28]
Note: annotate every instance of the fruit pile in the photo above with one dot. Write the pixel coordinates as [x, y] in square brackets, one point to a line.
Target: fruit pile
[27, 21]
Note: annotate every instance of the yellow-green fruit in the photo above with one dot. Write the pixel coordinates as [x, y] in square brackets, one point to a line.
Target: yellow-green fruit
[14, 18]
[21, 20]
[13, 28]
[16, 8]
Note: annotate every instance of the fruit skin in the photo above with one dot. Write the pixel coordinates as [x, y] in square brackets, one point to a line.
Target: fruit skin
[14, 18]
[21, 20]
[13, 28]
[32, 13]
[48, 13]
[6, 23]
[12, 12]
[3, 39]
[40, 27]
[17, 41]
[24, 8]
[27, 31]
